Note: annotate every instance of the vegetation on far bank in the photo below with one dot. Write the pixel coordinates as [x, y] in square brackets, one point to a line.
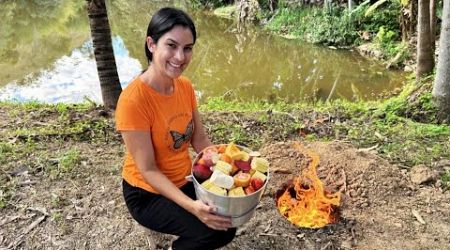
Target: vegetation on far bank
[378, 25]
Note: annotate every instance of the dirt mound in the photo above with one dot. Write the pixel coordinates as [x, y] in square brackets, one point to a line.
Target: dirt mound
[381, 208]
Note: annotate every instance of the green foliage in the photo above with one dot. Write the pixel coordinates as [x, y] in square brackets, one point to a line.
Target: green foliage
[223, 104]
[209, 4]
[69, 160]
[66, 162]
[446, 177]
[335, 26]
[386, 41]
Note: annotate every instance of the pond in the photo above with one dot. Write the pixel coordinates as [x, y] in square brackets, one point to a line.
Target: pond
[46, 54]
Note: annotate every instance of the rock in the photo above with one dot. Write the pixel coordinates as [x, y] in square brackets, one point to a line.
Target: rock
[421, 174]
[408, 68]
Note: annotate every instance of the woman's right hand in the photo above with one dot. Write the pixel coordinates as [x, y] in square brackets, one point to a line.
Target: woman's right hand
[206, 214]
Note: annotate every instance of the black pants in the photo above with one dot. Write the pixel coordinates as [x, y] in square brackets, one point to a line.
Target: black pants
[163, 215]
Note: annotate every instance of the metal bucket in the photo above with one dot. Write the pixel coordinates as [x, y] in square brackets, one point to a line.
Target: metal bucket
[240, 209]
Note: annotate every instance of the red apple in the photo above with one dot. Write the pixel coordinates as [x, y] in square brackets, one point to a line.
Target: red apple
[256, 183]
[202, 172]
[242, 165]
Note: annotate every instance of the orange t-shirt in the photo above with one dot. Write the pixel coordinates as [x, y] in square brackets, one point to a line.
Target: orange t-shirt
[169, 121]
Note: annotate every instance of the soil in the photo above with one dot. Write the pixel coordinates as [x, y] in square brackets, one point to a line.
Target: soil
[84, 209]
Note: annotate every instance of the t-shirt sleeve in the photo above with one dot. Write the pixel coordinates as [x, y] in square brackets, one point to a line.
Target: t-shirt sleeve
[131, 116]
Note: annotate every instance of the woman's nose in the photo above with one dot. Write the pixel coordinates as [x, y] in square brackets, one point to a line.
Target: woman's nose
[179, 55]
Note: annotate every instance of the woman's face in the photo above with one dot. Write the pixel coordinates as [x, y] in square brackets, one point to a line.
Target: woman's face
[173, 51]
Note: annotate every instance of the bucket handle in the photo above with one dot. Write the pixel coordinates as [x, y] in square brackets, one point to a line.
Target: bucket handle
[189, 178]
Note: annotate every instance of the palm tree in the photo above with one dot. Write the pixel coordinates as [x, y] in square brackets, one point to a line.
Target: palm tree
[441, 88]
[425, 60]
[103, 52]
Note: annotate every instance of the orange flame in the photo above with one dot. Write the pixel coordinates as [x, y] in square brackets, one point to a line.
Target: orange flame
[312, 206]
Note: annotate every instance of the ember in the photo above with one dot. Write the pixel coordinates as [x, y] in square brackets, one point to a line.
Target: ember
[305, 203]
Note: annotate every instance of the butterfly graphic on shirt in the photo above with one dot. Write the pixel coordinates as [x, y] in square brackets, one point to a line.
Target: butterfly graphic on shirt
[179, 138]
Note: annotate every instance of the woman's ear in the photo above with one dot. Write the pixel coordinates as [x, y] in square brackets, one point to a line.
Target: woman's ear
[150, 44]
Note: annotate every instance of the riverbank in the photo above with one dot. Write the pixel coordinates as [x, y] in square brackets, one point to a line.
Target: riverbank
[60, 174]
[373, 33]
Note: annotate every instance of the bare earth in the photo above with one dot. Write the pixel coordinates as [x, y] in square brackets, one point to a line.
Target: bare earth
[381, 208]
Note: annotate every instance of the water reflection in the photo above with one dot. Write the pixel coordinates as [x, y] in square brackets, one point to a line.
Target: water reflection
[73, 78]
[59, 64]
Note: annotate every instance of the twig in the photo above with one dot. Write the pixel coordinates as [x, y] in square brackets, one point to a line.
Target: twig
[27, 182]
[418, 216]
[7, 175]
[326, 246]
[268, 226]
[267, 234]
[34, 224]
[367, 149]
[6, 221]
[30, 227]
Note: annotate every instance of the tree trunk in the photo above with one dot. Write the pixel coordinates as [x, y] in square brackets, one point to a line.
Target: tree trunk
[441, 88]
[413, 9]
[433, 25]
[425, 61]
[103, 52]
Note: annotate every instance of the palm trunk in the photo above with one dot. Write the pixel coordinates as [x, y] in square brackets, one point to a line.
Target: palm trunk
[103, 52]
[441, 88]
[425, 61]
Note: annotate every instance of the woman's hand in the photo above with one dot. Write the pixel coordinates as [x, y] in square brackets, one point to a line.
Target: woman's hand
[206, 214]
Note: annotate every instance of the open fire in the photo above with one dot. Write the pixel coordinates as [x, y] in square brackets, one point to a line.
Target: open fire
[305, 202]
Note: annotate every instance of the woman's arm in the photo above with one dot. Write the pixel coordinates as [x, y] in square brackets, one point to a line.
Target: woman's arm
[140, 145]
[200, 139]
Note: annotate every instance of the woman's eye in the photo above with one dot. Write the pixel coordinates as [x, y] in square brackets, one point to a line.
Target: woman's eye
[171, 45]
[188, 49]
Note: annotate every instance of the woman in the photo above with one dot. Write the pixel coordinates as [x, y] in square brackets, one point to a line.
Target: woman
[158, 118]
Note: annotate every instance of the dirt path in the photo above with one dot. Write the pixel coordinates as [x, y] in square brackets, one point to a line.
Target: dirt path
[381, 208]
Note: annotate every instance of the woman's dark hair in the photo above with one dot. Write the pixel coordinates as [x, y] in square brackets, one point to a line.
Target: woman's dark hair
[163, 21]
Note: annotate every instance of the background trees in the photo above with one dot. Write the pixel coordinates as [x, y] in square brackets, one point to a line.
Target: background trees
[441, 89]
[425, 59]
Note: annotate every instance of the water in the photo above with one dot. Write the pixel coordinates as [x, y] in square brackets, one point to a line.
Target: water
[46, 54]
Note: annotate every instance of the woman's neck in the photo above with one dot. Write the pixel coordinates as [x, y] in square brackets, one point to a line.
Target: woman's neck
[163, 85]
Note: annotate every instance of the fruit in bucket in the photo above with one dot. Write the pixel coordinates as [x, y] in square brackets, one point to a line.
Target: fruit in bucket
[229, 170]
[242, 165]
[241, 179]
[210, 157]
[249, 190]
[201, 172]
[256, 183]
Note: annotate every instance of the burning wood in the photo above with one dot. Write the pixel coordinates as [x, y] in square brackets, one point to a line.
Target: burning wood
[305, 202]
